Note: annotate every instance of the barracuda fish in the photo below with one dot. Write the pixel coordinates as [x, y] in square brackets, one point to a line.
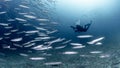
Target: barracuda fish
[29, 45]
[98, 43]
[20, 19]
[6, 47]
[96, 40]
[77, 47]
[32, 31]
[11, 19]
[23, 6]
[17, 39]
[76, 44]
[43, 38]
[53, 63]
[1, 38]
[60, 47]
[8, 27]
[42, 47]
[40, 28]
[17, 9]
[32, 13]
[96, 52]
[30, 16]
[7, 33]
[70, 52]
[55, 41]
[4, 12]
[51, 32]
[37, 58]
[17, 45]
[26, 24]
[55, 23]
[4, 24]
[22, 54]
[84, 36]
[42, 24]
[42, 34]
[85, 55]
[43, 20]
[22, 13]
[104, 56]
[67, 42]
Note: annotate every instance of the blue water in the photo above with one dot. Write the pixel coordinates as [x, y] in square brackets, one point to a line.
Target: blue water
[37, 34]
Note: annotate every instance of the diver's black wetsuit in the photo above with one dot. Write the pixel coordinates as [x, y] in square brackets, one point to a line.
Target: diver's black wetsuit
[79, 28]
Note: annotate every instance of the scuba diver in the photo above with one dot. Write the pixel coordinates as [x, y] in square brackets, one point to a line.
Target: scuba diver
[79, 28]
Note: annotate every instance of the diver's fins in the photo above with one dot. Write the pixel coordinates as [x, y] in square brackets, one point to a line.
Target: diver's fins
[89, 23]
[73, 27]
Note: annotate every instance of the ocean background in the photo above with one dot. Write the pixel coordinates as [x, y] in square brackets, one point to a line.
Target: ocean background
[37, 34]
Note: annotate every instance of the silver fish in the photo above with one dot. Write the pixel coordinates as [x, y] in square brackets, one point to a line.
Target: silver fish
[32, 44]
[23, 6]
[22, 13]
[43, 20]
[37, 58]
[84, 36]
[55, 41]
[11, 19]
[32, 31]
[96, 52]
[60, 47]
[41, 47]
[20, 19]
[39, 28]
[51, 32]
[98, 43]
[15, 30]
[17, 45]
[53, 63]
[67, 42]
[76, 44]
[4, 24]
[104, 56]
[16, 39]
[54, 23]
[17, 8]
[70, 52]
[3, 12]
[43, 38]
[42, 34]
[30, 16]
[22, 54]
[96, 40]
[8, 27]
[7, 33]
[1, 38]
[77, 47]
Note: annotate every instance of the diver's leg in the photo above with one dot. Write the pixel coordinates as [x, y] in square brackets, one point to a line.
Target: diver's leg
[88, 24]
[76, 30]
[73, 27]
[86, 27]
